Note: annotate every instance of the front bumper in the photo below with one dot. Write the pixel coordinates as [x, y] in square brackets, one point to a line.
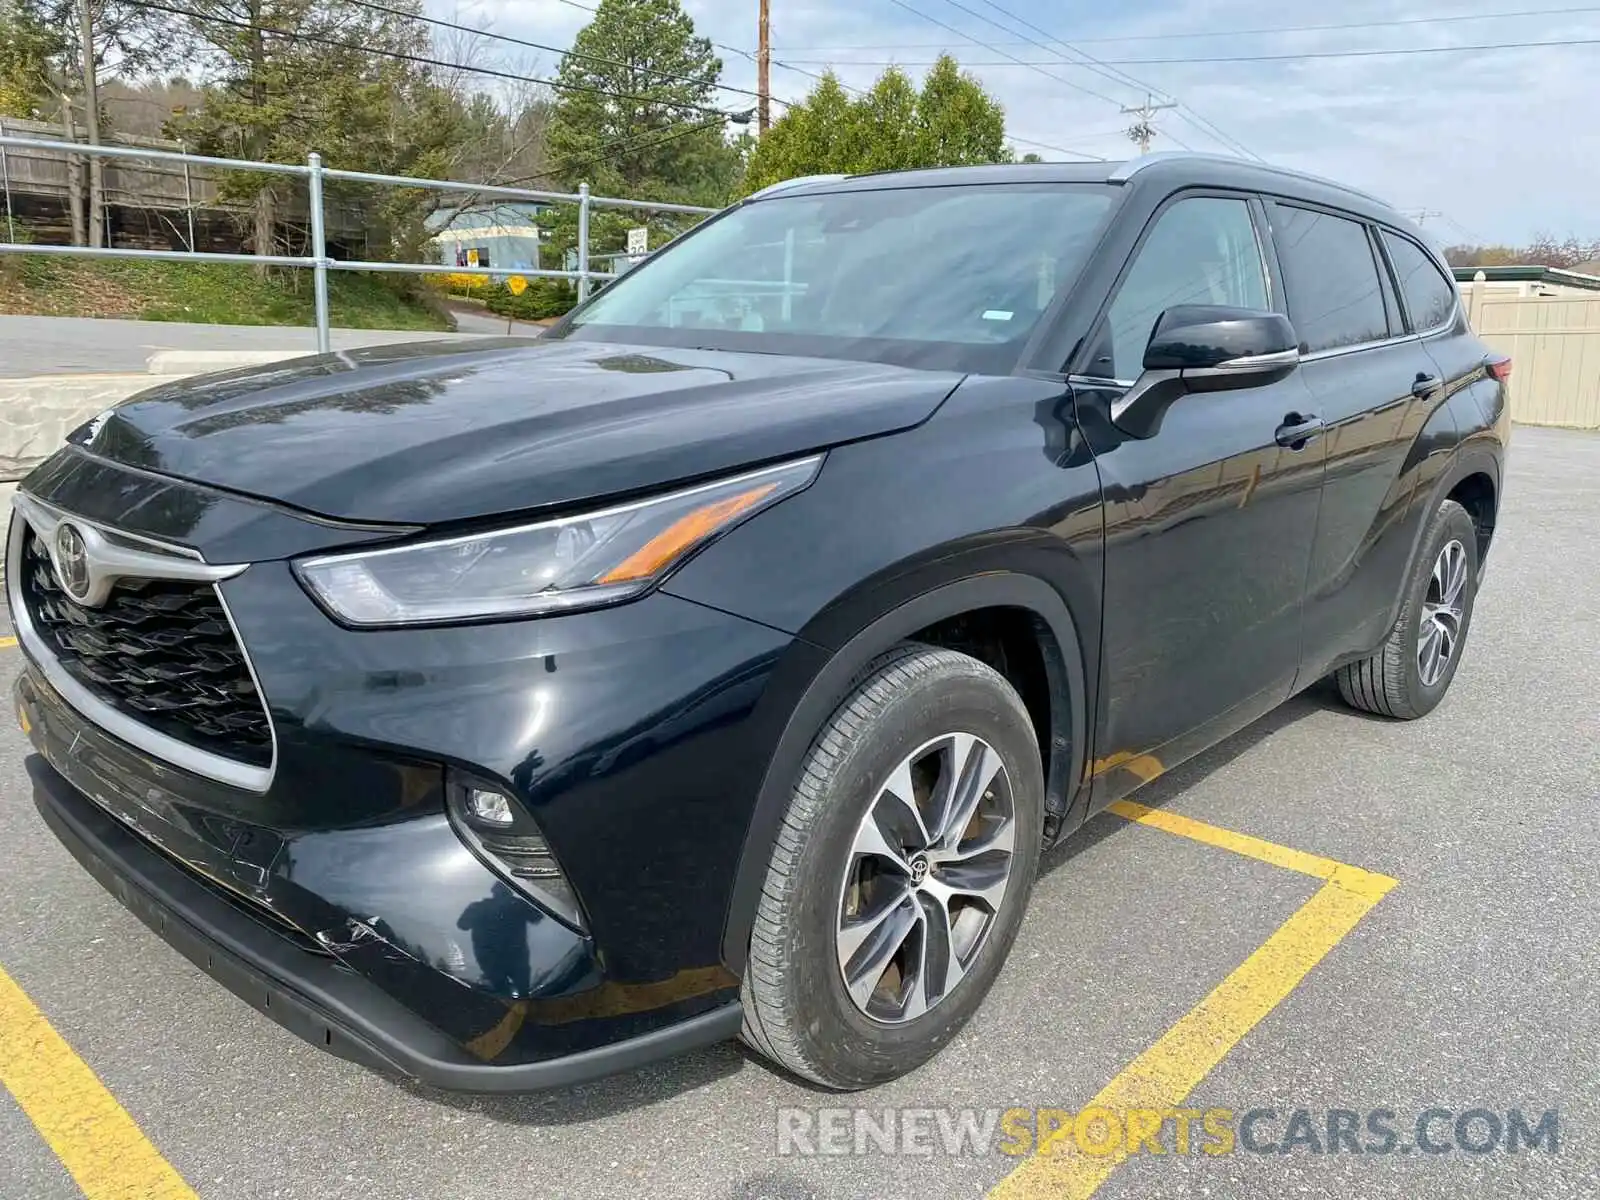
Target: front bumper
[312, 996]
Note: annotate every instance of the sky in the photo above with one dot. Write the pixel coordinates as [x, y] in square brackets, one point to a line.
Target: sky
[1495, 146]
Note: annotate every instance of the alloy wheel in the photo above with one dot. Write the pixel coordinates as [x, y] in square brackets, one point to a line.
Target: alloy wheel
[927, 874]
[1439, 632]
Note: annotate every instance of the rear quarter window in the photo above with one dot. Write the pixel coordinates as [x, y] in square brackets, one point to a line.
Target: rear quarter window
[1430, 297]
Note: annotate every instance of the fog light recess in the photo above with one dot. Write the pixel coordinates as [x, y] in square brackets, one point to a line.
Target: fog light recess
[498, 828]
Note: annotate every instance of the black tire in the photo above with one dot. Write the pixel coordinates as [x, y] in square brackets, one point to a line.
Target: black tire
[797, 1011]
[1390, 682]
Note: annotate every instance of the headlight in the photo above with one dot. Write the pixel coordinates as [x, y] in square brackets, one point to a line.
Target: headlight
[573, 562]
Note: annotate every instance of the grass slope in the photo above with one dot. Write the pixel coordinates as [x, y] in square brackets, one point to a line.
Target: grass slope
[211, 293]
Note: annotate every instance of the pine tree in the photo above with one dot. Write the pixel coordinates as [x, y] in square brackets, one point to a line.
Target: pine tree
[636, 113]
[950, 121]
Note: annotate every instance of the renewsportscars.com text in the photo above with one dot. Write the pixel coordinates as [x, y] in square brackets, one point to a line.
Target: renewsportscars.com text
[1179, 1131]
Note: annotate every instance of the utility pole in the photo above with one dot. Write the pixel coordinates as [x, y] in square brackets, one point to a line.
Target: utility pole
[91, 115]
[1421, 215]
[763, 70]
[1142, 130]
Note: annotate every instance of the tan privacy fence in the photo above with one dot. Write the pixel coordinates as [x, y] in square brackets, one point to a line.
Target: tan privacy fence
[1554, 344]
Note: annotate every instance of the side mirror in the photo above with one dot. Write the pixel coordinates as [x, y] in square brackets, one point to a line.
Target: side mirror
[1205, 348]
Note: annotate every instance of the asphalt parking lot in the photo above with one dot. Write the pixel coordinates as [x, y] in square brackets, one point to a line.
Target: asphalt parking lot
[1473, 984]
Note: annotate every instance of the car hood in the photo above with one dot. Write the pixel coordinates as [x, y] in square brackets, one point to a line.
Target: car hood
[446, 431]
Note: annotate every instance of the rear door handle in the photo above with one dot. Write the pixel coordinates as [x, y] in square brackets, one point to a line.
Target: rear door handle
[1297, 432]
[1425, 386]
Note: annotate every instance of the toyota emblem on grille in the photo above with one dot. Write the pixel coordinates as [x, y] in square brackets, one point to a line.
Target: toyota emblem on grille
[72, 562]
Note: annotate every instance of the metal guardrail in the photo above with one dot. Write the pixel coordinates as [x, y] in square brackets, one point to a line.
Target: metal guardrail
[318, 262]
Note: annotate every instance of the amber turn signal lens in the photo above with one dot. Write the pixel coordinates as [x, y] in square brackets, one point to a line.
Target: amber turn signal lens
[683, 533]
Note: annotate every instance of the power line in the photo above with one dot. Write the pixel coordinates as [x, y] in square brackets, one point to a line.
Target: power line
[796, 69]
[862, 92]
[1121, 78]
[1194, 117]
[1248, 58]
[420, 59]
[624, 146]
[1099, 67]
[516, 41]
[1224, 139]
[1218, 33]
[1461, 229]
[717, 45]
[1022, 141]
[985, 45]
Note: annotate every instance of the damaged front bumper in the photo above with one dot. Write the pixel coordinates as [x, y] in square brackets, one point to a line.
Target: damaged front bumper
[390, 945]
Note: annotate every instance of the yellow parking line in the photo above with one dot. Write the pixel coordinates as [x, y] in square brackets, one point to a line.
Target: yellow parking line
[1163, 1076]
[7, 642]
[1253, 847]
[93, 1136]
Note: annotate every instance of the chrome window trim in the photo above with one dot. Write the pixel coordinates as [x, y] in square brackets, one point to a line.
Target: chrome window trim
[177, 562]
[1336, 351]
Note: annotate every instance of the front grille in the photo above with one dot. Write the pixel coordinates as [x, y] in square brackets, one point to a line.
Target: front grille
[160, 651]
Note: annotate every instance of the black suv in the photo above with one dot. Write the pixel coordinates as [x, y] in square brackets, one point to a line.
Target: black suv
[512, 712]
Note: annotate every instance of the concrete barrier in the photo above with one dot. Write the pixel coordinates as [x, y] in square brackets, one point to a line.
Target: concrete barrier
[37, 413]
[202, 362]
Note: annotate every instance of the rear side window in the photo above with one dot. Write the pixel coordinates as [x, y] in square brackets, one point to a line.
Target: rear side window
[1330, 279]
[1430, 297]
[1202, 250]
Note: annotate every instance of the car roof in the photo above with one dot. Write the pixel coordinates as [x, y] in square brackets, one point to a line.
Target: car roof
[1157, 171]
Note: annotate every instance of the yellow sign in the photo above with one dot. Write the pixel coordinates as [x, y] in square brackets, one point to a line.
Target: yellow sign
[517, 284]
[472, 258]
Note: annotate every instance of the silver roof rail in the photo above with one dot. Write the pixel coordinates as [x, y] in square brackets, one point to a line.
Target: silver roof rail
[784, 185]
[1133, 166]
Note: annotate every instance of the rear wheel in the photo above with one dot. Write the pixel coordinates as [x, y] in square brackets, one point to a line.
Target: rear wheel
[1412, 670]
[900, 874]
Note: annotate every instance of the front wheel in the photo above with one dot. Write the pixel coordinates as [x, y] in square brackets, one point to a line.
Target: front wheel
[900, 874]
[1412, 670]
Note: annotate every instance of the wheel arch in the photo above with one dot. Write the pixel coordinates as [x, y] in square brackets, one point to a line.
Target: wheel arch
[1469, 464]
[853, 631]
[1456, 432]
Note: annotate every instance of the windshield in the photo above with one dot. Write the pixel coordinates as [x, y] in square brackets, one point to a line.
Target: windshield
[954, 278]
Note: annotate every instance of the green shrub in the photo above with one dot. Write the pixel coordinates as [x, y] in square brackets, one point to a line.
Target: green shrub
[542, 299]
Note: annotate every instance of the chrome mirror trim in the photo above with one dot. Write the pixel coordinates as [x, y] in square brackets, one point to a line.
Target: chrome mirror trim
[1250, 364]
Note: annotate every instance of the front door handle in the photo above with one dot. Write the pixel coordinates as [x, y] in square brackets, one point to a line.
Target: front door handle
[1298, 431]
[1425, 385]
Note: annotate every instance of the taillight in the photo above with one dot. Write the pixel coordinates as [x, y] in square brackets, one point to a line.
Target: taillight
[1500, 368]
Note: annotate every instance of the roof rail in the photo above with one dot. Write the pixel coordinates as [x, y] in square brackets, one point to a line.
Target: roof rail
[784, 185]
[1133, 166]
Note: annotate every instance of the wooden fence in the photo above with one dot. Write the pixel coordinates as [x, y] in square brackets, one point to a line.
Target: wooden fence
[1554, 344]
[170, 197]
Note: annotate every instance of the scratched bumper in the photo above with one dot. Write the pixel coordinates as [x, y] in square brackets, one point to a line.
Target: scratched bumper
[391, 945]
[315, 997]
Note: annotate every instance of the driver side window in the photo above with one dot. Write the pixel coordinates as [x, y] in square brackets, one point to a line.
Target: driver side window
[1201, 251]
